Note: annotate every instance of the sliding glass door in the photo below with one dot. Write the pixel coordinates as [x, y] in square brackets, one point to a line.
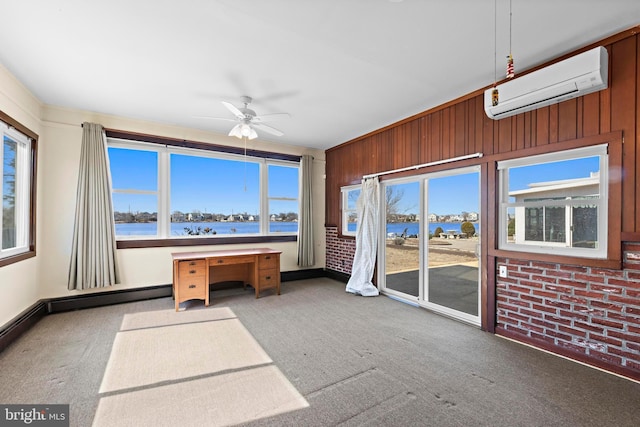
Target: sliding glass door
[431, 234]
[401, 229]
[452, 284]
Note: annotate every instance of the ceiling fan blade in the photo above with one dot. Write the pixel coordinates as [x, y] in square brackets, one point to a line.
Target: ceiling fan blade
[236, 112]
[268, 129]
[269, 117]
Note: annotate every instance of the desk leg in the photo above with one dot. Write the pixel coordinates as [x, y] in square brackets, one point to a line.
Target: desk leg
[207, 287]
[175, 284]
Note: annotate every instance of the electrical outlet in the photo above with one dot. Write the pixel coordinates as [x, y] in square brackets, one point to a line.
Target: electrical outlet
[502, 272]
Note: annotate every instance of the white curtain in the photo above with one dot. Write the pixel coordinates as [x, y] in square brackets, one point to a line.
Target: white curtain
[93, 252]
[305, 225]
[364, 260]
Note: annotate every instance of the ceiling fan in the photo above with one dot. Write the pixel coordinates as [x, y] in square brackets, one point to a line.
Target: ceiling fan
[249, 121]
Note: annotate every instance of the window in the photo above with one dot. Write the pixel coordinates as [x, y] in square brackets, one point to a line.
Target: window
[163, 192]
[556, 203]
[135, 190]
[350, 195]
[16, 157]
[283, 198]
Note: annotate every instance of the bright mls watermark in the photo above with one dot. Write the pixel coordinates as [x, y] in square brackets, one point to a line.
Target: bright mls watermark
[34, 415]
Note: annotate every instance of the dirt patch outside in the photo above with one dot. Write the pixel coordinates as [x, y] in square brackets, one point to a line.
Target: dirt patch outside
[441, 252]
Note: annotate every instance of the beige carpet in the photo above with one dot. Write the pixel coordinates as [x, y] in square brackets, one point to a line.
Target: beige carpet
[197, 367]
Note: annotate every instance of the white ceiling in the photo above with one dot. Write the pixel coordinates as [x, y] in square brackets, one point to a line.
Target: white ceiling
[340, 68]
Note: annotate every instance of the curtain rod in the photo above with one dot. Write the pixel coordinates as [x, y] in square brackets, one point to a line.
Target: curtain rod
[424, 165]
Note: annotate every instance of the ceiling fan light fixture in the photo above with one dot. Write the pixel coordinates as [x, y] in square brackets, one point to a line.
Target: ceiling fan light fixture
[243, 130]
[236, 131]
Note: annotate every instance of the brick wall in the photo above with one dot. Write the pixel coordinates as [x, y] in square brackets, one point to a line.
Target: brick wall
[589, 314]
[340, 251]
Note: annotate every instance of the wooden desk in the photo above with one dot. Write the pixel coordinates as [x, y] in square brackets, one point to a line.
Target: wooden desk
[194, 272]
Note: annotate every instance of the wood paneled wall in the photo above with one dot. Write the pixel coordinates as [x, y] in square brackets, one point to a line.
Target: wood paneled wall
[461, 127]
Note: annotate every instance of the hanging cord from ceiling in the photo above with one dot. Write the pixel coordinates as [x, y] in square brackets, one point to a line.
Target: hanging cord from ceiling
[494, 93]
[510, 68]
[245, 163]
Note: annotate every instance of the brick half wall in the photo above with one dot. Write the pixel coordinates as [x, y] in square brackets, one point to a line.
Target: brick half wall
[340, 251]
[588, 314]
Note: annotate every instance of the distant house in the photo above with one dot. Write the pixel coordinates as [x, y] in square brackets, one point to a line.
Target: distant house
[557, 224]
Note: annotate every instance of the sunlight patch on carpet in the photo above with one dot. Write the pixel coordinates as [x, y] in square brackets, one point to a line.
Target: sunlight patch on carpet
[188, 368]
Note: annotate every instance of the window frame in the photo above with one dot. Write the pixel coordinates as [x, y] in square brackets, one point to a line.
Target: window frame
[28, 171]
[600, 252]
[345, 212]
[267, 199]
[613, 259]
[167, 146]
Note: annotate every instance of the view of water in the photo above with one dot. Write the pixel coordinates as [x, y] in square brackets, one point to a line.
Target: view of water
[413, 228]
[227, 228]
[221, 228]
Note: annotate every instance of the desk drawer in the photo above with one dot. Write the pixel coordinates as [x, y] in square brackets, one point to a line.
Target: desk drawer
[192, 268]
[269, 261]
[232, 260]
[192, 288]
[268, 278]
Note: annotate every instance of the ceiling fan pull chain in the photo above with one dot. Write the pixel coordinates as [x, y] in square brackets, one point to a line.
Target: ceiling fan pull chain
[245, 164]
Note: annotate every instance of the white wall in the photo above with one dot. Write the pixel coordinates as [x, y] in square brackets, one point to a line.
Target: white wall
[45, 276]
[19, 287]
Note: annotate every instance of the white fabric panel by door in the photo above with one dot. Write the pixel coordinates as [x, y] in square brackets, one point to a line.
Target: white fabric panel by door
[364, 260]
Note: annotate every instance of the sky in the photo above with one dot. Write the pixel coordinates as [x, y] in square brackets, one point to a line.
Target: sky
[447, 195]
[554, 171]
[201, 184]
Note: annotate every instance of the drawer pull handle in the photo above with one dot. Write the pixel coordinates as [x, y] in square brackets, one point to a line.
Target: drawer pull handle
[267, 257]
[192, 263]
[192, 286]
[192, 272]
[220, 261]
[268, 277]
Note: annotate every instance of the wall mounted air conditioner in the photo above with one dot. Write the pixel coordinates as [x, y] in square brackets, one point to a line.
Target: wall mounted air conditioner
[576, 76]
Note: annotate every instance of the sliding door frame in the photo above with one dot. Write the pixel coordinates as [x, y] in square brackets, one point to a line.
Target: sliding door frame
[486, 262]
[424, 302]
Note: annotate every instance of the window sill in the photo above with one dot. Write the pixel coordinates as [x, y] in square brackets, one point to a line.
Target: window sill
[17, 258]
[202, 241]
[613, 264]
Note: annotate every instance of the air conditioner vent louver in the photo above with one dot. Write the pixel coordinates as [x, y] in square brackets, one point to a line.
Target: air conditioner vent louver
[576, 76]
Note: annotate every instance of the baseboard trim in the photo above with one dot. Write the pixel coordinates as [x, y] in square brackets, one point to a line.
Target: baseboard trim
[22, 323]
[314, 273]
[337, 275]
[99, 299]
